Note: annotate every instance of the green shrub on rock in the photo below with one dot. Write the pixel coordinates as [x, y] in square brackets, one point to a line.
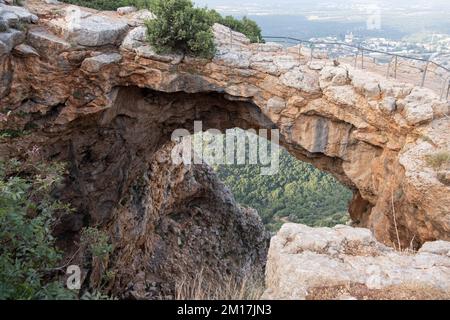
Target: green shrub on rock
[99, 4]
[180, 26]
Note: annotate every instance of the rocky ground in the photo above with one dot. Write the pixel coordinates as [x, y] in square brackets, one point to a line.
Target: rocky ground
[348, 263]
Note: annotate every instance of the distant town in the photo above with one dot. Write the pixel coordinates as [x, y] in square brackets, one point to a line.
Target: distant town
[434, 47]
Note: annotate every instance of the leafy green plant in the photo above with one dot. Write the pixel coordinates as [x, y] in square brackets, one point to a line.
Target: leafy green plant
[18, 3]
[12, 133]
[180, 26]
[28, 255]
[96, 241]
[96, 245]
[3, 25]
[100, 4]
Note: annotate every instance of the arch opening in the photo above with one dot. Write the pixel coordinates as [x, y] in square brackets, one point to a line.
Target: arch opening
[160, 213]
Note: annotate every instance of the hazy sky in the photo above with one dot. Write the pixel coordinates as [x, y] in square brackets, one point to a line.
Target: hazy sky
[310, 4]
[407, 16]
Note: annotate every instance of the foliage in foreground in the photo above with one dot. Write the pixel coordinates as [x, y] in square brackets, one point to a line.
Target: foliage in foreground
[28, 257]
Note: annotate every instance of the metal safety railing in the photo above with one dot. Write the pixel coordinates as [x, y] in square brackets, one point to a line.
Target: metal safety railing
[431, 74]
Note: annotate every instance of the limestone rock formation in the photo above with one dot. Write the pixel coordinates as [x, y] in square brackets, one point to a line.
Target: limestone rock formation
[106, 103]
[177, 222]
[348, 263]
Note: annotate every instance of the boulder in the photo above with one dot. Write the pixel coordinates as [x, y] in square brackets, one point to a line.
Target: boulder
[45, 42]
[370, 88]
[299, 79]
[96, 63]
[10, 39]
[269, 47]
[146, 51]
[87, 29]
[416, 113]
[234, 58]
[135, 38]
[25, 50]
[138, 18]
[418, 106]
[276, 104]
[328, 263]
[126, 10]
[225, 36]
[285, 63]
[388, 105]
[436, 247]
[14, 13]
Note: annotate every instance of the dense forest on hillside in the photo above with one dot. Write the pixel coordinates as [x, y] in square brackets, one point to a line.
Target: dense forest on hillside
[298, 193]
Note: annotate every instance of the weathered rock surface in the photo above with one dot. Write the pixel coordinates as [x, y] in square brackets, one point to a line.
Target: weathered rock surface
[348, 263]
[13, 15]
[96, 63]
[88, 29]
[177, 222]
[371, 133]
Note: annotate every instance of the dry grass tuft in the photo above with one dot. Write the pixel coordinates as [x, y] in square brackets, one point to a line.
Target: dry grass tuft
[200, 288]
[410, 291]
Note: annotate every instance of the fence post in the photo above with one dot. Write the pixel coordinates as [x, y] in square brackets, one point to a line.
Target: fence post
[356, 60]
[300, 52]
[231, 40]
[312, 51]
[388, 69]
[362, 57]
[448, 90]
[445, 85]
[339, 52]
[424, 74]
[395, 67]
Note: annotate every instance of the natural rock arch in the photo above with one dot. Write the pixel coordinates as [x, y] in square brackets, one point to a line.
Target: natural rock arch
[371, 133]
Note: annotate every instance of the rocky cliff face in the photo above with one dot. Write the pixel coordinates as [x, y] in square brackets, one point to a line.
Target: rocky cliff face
[348, 263]
[176, 223]
[96, 95]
